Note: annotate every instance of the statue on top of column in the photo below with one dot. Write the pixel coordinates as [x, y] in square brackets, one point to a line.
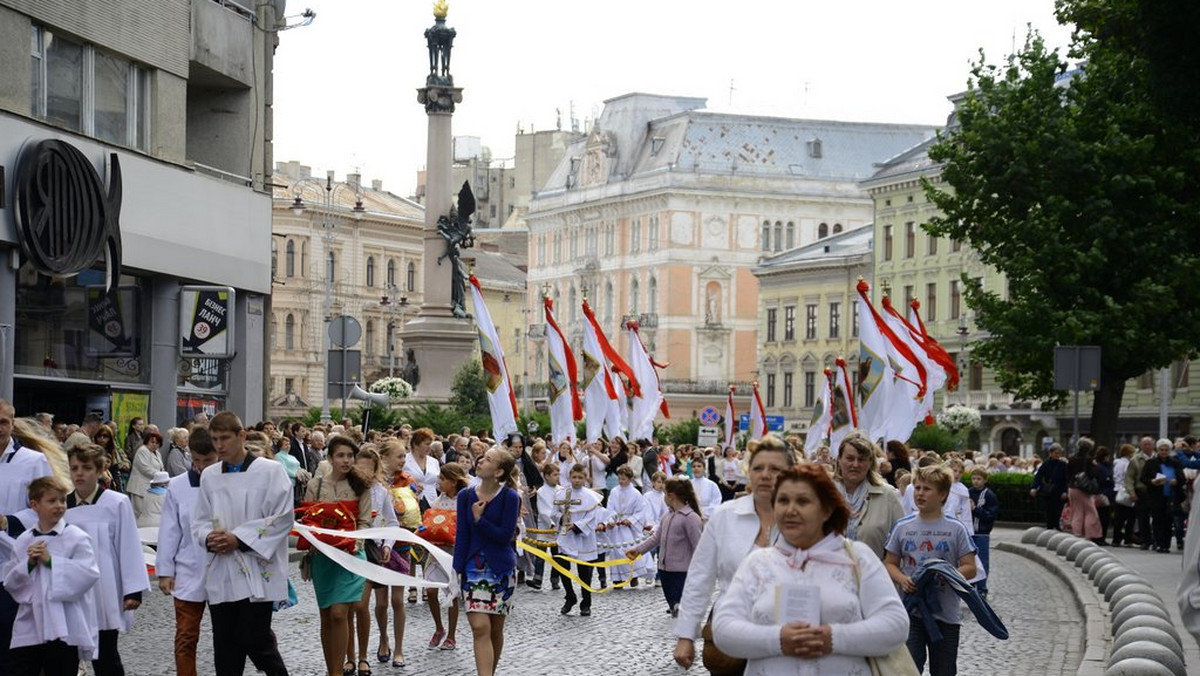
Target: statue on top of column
[456, 230]
[440, 39]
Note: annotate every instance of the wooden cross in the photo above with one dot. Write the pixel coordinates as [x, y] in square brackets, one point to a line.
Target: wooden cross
[565, 503]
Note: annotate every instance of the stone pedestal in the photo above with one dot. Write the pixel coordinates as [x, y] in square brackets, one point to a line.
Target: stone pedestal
[441, 343]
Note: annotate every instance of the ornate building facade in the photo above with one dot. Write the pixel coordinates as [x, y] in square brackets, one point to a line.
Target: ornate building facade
[662, 211]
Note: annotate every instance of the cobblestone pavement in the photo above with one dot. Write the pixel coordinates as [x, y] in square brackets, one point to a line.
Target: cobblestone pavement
[627, 634]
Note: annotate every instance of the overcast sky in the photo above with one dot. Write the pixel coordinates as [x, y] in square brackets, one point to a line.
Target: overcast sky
[345, 86]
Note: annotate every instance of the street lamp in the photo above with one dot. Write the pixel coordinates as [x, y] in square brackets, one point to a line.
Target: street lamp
[391, 304]
[328, 226]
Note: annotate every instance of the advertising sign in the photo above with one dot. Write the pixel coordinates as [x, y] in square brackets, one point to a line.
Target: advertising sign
[206, 321]
[113, 321]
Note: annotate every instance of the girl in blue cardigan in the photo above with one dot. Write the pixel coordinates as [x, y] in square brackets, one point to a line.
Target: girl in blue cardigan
[484, 554]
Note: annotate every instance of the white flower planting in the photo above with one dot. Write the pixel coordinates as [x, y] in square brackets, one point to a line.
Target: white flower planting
[395, 388]
[959, 418]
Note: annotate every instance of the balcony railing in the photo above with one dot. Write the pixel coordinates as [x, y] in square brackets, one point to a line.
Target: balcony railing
[717, 387]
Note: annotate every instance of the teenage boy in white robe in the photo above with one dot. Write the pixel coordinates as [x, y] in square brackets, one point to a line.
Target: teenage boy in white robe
[18, 467]
[242, 517]
[577, 512]
[51, 575]
[180, 560]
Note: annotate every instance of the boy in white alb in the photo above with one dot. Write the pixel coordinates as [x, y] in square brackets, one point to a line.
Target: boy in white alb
[51, 575]
[18, 467]
[180, 560]
[708, 493]
[242, 518]
[626, 526]
[544, 510]
[577, 512]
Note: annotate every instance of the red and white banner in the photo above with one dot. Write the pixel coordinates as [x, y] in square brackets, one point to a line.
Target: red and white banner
[843, 411]
[502, 401]
[602, 388]
[731, 421]
[758, 415]
[822, 416]
[891, 380]
[649, 401]
[564, 397]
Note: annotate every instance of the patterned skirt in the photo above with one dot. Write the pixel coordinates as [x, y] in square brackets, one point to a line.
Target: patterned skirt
[486, 591]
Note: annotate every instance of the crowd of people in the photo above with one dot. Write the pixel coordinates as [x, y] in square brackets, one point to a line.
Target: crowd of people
[853, 535]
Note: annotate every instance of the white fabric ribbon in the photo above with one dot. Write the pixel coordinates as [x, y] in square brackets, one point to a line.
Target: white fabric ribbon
[371, 571]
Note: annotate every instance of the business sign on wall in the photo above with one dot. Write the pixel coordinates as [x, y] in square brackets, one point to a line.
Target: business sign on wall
[206, 321]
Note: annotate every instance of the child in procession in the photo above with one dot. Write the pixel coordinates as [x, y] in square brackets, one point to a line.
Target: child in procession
[451, 481]
[577, 512]
[383, 515]
[676, 537]
[544, 510]
[406, 506]
[51, 575]
[625, 527]
[985, 506]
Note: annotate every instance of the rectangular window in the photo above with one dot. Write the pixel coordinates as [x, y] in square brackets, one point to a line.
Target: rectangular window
[930, 309]
[810, 322]
[931, 243]
[771, 325]
[835, 319]
[955, 245]
[1146, 380]
[976, 383]
[635, 236]
[63, 79]
[289, 385]
[955, 298]
[810, 387]
[609, 236]
[908, 298]
[854, 321]
[653, 234]
[787, 389]
[910, 239]
[887, 242]
[1179, 374]
[789, 322]
[771, 390]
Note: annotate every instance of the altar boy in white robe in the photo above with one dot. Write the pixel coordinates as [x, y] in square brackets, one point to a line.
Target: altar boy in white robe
[577, 512]
[242, 518]
[18, 467]
[107, 516]
[51, 575]
[180, 560]
[626, 526]
[708, 493]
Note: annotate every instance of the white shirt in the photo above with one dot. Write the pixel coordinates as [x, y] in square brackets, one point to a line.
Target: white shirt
[708, 494]
[179, 556]
[728, 538]
[958, 505]
[426, 476]
[255, 505]
[56, 602]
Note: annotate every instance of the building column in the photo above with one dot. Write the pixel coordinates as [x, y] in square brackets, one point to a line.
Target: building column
[164, 349]
[245, 377]
[8, 320]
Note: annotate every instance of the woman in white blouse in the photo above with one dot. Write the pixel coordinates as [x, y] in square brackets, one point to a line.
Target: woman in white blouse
[734, 530]
[423, 467]
[814, 602]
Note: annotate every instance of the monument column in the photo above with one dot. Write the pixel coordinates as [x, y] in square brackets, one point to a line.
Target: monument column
[439, 341]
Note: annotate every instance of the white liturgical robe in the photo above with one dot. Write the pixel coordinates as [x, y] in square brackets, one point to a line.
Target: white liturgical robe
[179, 556]
[255, 505]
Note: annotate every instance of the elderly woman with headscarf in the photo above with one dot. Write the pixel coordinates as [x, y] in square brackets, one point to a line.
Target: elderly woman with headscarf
[874, 504]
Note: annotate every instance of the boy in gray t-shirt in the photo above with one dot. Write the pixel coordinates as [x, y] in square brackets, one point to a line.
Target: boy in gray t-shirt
[929, 534]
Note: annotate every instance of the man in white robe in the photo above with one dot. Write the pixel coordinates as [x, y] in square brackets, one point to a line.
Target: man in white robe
[242, 517]
[18, 467]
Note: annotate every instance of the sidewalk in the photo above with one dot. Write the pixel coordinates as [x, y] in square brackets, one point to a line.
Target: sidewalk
[1162, 571]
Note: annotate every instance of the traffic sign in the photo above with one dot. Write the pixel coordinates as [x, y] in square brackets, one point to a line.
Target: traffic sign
[344, 331]
[708, 436]
[709, 417]
[774, 422]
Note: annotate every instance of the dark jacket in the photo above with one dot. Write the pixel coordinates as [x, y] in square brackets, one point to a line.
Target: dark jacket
[925, 602]
[987, 507]
[492, 536]
[1051, 478]
[1157, 494]
[1104, 476]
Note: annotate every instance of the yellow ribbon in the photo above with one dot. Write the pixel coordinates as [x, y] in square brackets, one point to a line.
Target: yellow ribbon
[566, 572]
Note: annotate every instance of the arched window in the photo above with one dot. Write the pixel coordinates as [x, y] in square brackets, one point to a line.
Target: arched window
[652, 295]
[822, 231]
[766, 236]
[330, 266]
[370, 336]
[370, 271]
[391, 273]
[411, 282]
[837, 227]
[304, 258]
[289, 333]
[289, 259]
[791, 234]
[779, 235]
[634, 292]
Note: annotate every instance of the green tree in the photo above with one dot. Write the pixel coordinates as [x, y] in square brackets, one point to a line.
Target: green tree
[1084, 196]
[468, 391]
